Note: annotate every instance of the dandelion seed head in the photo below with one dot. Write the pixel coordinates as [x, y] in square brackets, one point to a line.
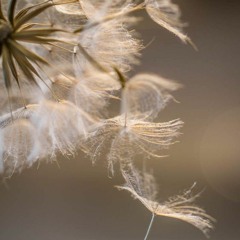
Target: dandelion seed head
[61, 61]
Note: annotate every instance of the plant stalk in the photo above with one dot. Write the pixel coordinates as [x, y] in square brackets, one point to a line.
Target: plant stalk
[149, 227]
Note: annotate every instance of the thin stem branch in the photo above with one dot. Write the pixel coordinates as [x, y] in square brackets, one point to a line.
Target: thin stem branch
[125, 119]
[11, 10]
[149, 227]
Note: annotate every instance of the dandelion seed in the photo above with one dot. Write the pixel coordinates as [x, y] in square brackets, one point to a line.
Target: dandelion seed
[61, 86]
[21, 113]
[63, 124]
[20, 145]
[127, 139]
[71, 9]
[167, 14]
[105, 7]
[182, 207]
[90, 93]
[123, 49]
[147, 94]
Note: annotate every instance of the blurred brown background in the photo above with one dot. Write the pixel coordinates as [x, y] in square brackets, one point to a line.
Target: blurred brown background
[79, 201]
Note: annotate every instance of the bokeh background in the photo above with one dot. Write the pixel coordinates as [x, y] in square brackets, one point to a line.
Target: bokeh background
[77, 201]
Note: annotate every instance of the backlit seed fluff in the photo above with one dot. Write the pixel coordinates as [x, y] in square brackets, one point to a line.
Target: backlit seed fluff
[143, 188]
[167, 15]
[126, 138]
[63, 125]
[20, 151]
[147, 94]
[122, 51]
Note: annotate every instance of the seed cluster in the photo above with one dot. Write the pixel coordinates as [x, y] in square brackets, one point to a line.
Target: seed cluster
[61, 63]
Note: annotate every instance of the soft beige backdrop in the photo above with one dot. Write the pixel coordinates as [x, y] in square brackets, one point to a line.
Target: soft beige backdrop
[79, 202]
